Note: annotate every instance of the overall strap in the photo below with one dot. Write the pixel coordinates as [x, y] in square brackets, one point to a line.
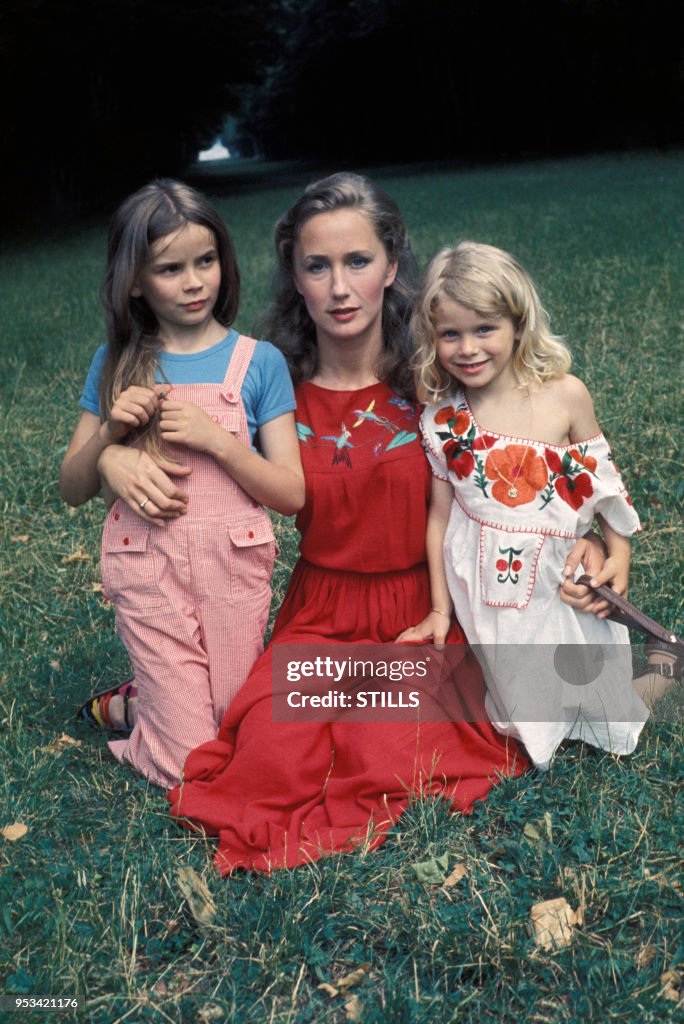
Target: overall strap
[237, 368]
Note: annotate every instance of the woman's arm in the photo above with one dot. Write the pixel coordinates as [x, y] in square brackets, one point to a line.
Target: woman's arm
[276, 480]
[135, 477]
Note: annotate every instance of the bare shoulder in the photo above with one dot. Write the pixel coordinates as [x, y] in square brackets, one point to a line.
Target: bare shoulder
[571, 389]
[575, 398]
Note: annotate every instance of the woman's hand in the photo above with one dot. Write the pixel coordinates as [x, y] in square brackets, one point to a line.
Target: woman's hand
[591, 552]
[434, 626]
[136, 478]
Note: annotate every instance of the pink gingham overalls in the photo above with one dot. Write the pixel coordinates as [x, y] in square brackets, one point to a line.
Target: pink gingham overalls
[191, 597]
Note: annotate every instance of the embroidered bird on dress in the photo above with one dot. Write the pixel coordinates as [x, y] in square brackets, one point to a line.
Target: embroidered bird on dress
[304, 432]
[369, 416]
[341, 444]
[404, 406]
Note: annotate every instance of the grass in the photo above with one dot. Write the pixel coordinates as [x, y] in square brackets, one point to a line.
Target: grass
[89, 897]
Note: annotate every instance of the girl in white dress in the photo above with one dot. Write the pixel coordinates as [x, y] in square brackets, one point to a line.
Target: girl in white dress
[521, 469]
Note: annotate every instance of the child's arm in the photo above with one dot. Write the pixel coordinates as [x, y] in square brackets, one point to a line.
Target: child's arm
[583, 425]
[435, 625]
[276, 480]
[79, 477]
[616, 567]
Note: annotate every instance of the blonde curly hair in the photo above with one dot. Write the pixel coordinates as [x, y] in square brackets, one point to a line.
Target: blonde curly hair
[492, 283]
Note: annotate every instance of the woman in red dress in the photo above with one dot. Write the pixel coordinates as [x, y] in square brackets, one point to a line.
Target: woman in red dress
[277, 793]
[282, 793]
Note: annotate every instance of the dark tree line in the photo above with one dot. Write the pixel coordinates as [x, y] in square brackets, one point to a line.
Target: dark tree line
[471, 79]
[98, 96]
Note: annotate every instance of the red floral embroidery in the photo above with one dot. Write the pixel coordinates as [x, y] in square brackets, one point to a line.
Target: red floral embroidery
[516, 468]
[553, 460]
[462, 463]
[445, 414]
[508, 568]
[462, 424]
[588, 461]
[574, 490]
[484, 442]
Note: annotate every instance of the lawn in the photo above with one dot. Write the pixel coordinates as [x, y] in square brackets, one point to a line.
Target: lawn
[93, 895]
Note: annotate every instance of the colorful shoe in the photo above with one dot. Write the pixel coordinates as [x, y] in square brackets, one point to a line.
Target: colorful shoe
[96, 708]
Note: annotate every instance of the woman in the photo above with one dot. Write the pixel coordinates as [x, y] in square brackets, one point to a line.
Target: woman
[281, 793]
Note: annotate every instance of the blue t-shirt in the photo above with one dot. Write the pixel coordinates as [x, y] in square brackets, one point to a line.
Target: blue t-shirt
[267, 390]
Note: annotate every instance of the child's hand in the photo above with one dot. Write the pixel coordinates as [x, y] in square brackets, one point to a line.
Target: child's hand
[591, 553]
[614, 572]
[434, 626]
[185, 423]
[133, 409]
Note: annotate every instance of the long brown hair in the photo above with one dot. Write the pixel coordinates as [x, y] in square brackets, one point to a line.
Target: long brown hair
[158, 209]
[287, 322]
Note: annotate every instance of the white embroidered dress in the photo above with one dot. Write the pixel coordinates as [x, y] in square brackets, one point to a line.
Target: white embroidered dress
[552, 673]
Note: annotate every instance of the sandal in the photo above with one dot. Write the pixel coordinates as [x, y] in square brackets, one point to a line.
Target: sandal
[660, 640]
[95, 711]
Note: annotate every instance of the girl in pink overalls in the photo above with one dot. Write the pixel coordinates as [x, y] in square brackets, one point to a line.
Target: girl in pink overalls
[191, 586]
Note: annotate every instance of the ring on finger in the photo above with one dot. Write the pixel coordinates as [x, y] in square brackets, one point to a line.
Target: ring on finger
[143, 503]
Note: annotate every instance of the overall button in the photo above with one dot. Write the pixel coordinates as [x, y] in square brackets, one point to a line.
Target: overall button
[215, 419]
[126, 540]
[117, 516]
[250, 534]
[230, 396]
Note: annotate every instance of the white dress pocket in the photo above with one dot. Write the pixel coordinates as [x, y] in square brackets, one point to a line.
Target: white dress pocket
[508, 566]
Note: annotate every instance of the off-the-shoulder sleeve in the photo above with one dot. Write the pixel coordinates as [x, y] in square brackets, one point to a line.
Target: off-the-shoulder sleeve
[611, 499]
[433, 444]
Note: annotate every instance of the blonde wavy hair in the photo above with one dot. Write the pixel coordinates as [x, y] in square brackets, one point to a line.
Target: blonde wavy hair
[492, 283]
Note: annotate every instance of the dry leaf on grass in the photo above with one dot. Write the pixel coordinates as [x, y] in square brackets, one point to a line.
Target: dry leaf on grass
[553, 923]
[195, 891]
[353, 1009]
[14, 832]
[540, 831]
[354, 978]
[673, 985]
[346, 982]
[646, 955]
[76, 556]
[212, 1011]
[459, 872]
[55, 665]
[61, 743]
[432, 871]
[20, 538]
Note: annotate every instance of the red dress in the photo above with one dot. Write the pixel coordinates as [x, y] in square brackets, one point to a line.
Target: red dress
[279, 794]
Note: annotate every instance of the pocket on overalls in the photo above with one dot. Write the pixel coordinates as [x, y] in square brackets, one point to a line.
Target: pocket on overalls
[227, 416]
[253, 551]
[508, 566]
[128, 571]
